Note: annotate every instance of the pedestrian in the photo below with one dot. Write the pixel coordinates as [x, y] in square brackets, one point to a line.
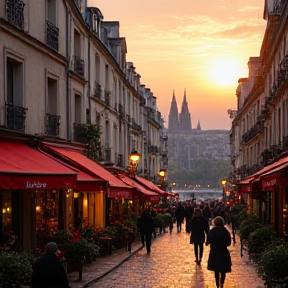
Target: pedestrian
[219, 259]
[48, 271]
[206, 212]
[180, 215]
[147, 227]
[198, 226]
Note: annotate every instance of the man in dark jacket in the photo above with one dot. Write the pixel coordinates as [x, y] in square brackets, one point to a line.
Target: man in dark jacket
[48, 271]
[180, 215]
[146, 227]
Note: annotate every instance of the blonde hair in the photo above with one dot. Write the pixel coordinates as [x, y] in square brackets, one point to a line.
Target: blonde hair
[218, 221]
[197, 212]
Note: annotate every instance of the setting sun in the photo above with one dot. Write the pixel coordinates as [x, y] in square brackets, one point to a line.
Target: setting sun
[225, 72]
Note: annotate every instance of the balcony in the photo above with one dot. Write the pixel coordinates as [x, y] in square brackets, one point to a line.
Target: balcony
[120, 162]
[52, 125]
[253, 131]
[97, 90]
[78, 133]
[135, 126]
[108, 98]
[15, 117]
[121, 110]
[15, 12]
[107, 155]
[78, 66]
[152, 149]
[52, 34]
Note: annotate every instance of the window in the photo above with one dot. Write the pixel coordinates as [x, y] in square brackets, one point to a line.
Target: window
[15, 113]
[52, 32]
[78, 108]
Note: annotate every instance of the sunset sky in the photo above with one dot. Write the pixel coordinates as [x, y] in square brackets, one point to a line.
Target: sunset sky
[202, 46]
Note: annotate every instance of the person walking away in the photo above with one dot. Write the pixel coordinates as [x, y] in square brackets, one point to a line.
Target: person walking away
[206, 212]
[48, 270]
[198, 226]
[141, 231]
[219, 259]
[146, 225]
[180, 215]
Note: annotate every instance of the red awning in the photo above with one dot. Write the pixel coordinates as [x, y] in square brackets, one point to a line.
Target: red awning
[79, 160]
[151, 186]
[147, 192]
[272, 177]
[85, 182]
[22, 167]
[245, 186]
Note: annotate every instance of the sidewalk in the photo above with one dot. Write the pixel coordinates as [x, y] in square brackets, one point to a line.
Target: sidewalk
[246, 275]
[102, 266]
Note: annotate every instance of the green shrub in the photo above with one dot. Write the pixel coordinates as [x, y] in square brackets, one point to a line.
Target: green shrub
[250, 224]
[274, 263]
[260, 239]
[15, 268]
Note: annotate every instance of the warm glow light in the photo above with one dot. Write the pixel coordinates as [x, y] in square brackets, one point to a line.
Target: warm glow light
[162, 173]
[134, 157]
[223, 182]
[225, 71]
[85, 202]
[37, 208]
[3, 210]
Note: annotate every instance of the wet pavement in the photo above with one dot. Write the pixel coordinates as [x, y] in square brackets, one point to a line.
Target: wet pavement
[169, 265]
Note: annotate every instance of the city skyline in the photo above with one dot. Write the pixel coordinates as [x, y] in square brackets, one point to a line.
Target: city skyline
[202, 47]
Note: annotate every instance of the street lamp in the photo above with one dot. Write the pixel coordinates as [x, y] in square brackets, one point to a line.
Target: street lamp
[223, 182]
[162, 174]
[134, 158]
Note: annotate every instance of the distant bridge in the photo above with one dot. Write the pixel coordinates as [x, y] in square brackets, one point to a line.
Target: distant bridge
[198, 194]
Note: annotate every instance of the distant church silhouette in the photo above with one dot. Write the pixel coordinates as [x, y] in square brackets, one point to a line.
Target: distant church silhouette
[186, 144]
[182, 121]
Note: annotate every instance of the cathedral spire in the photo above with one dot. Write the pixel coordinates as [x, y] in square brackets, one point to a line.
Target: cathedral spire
[185, 118]
[173, 115]
[198, 125]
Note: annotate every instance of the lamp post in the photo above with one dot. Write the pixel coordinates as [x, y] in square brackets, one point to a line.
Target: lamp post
[223, 182]
[162, 174]
[134, 158]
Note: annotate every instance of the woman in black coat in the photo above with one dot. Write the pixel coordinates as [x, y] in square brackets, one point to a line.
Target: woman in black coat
[198, 227]
[219, 259]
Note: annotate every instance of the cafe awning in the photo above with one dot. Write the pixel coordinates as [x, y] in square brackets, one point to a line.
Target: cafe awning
[273, 177]
[151, 186]
[147, 193]
[22, 167]
[116, 187]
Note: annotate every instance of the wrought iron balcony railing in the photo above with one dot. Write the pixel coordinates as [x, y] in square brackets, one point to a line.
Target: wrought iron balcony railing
[97, 90]
[152, 149]
[52, 125]
[78, 133]
[52, 34]
[15, 12]
[79, 66]
[107, 156]
[15, 117]
[108, 98]
[253, 131]
[121, 110]
[120, 162]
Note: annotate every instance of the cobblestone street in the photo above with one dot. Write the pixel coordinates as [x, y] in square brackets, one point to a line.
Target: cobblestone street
[171, 264]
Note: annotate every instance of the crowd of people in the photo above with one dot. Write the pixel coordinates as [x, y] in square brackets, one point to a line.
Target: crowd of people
[49, 272]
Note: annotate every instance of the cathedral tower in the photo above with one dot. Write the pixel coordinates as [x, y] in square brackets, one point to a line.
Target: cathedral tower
[173, 115]
[185, 118]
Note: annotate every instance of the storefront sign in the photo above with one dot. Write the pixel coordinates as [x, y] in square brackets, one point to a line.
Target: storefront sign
[35, 185]
[269, 182]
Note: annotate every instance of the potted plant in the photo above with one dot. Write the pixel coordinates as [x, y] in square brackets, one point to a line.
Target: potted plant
[77, 250]
[15, 268]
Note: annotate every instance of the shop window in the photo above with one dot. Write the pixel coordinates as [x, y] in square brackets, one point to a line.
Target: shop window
[47, 210]
[6, 209]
